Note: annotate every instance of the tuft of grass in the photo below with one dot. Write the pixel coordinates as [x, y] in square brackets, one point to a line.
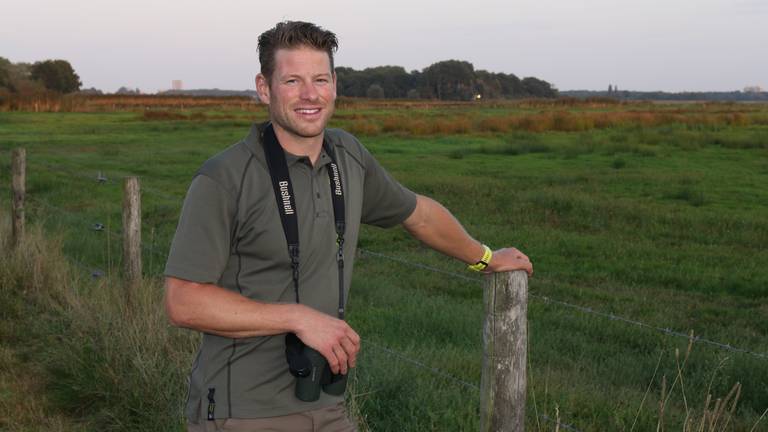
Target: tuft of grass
[689, 194]
[111, 364]
[618, 163]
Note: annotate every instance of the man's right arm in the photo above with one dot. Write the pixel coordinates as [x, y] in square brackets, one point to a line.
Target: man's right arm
[211, 309]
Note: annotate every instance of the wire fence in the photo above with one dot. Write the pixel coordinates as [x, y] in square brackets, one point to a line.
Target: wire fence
[584, 309]
[95, 272]
[104, 177]
[95, 225]
[82, 223]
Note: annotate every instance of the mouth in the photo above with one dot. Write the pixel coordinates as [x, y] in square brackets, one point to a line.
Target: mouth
[307, 111]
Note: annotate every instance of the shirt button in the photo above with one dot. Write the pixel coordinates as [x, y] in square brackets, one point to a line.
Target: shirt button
[318, 194]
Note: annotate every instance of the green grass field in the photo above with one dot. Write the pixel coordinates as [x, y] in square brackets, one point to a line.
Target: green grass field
[662, 222]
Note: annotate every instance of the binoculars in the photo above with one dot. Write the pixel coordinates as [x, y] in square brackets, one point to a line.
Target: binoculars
[312, 371]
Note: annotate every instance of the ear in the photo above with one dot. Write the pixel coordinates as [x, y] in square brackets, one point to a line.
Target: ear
[262, 88]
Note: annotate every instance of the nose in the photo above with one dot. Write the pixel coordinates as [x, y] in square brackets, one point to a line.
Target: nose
[308, 91]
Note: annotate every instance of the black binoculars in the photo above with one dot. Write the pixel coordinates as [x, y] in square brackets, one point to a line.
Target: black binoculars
[312, 371]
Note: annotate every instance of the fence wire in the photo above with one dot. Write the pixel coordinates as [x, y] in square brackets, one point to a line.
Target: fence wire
[96, 226]
[584, 309]
[421, 365]
[452, 379]
[102, 177]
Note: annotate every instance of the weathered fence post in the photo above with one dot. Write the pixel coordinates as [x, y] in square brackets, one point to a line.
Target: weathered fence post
[132, 230]
[18, 184]
[505, 333]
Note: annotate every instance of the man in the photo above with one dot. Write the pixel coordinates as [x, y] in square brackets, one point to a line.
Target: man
[231, 275]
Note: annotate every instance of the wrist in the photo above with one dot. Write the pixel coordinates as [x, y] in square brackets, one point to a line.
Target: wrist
[483, 263]
[295, 318]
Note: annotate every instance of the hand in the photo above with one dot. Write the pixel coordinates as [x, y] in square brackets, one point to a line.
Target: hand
[331, 337]
[509, 259]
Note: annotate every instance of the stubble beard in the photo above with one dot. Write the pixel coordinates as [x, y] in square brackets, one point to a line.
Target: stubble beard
[296, 127]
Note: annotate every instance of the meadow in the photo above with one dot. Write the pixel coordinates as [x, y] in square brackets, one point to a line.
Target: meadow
[641, 219]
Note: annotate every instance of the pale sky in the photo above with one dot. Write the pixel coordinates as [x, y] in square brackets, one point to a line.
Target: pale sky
[670, 45]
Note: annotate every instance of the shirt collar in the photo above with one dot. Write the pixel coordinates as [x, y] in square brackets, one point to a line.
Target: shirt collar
[253, 140]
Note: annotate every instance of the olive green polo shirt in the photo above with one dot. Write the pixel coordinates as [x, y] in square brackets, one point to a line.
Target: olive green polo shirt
[230, 234]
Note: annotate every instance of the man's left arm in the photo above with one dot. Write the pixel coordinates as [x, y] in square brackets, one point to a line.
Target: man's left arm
[435, 226]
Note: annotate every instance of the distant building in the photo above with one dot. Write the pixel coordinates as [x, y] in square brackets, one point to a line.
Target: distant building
[177, 85]
[753, 89]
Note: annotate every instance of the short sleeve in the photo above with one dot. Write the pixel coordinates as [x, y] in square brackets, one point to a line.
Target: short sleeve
[385, 201]
[201, 245]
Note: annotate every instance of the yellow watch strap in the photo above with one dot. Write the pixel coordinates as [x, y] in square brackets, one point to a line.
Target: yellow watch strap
[484, 261]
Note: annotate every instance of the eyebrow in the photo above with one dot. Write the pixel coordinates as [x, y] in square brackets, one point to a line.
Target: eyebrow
[324, 74]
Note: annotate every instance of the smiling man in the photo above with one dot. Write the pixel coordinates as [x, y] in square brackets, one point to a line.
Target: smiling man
[261, 262]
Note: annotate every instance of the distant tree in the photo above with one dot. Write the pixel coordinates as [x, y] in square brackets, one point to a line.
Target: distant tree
[511, 86]
[538, 88]
[5, 72]
[487, 85]
[16, 75]
[91, 91]
[127, 91]
[451, 79]
[394, 80]
[28, 87]
[420, 85]
[56, 75]
[349, 82]
[375, 91]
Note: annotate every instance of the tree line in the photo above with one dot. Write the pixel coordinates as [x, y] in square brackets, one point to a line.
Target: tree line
[30, 78]
[444, 80]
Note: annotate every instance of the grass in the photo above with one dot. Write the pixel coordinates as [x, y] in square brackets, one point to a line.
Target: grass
[91, 360]
[658, 221]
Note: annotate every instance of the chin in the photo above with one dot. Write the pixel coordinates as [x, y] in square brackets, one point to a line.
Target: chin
[307, 132]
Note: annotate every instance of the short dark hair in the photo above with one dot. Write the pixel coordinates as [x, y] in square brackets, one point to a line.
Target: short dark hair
[294, 34]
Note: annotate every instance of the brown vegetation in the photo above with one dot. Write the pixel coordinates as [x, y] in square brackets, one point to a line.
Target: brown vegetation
[543, 121]
[55, 102]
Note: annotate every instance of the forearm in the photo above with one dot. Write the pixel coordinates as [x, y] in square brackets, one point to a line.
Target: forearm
[435, 226]
[212, 309]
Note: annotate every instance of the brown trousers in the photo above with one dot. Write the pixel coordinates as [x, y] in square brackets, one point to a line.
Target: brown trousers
[330, 419]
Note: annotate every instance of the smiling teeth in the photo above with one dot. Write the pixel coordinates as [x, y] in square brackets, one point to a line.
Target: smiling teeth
[308, 111]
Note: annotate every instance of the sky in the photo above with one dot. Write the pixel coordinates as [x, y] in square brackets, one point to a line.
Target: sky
[646, 45]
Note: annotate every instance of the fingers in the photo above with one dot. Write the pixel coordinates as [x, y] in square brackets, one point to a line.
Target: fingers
[509, 259]
[351, 350]
[343, 356]
[346, 352]
[340, 365]
[334, 339]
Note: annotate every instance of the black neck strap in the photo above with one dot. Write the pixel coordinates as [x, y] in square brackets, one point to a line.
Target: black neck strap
[286, 205]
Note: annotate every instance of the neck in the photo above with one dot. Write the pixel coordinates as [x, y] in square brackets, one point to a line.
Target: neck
[299, 145]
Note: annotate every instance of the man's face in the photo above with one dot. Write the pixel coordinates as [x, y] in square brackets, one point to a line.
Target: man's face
[301, 92]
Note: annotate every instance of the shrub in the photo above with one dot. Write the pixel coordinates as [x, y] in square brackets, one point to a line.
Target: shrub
[364, 127]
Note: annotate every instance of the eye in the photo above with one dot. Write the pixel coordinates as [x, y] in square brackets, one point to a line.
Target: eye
[291, 81]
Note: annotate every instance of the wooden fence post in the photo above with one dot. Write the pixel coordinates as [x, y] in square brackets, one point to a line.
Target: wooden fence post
[18, 184]
[132, 230]
[505, 333]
